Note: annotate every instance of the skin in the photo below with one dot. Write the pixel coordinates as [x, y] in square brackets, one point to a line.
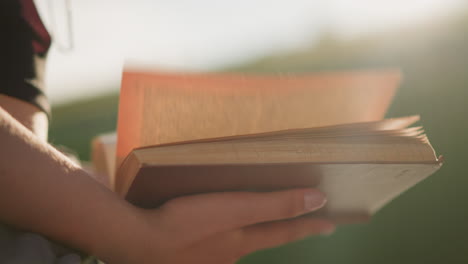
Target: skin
[43, 191]
[27, 114]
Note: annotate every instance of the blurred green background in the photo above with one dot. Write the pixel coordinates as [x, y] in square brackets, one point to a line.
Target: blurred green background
[429, 223]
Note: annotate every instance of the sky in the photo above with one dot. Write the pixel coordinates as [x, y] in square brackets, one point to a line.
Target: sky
[200, 35]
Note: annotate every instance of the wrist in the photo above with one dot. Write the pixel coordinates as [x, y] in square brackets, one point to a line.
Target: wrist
[124, 240]
[109, 226]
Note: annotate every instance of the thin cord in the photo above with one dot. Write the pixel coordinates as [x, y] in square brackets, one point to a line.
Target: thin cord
[68, 45]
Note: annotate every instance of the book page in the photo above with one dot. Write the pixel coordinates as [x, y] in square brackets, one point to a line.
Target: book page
[103, 149]
[345, 150]
[157, 108]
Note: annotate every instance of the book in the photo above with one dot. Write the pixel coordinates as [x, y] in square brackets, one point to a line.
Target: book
[184, 134]
[103, 157]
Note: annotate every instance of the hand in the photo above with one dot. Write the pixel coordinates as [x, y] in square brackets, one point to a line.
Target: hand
[65, 204]
[222, 227]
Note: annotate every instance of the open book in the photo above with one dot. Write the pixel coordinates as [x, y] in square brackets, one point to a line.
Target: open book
[183, 134]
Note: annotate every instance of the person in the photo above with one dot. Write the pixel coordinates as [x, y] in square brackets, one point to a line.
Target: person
[46, 194]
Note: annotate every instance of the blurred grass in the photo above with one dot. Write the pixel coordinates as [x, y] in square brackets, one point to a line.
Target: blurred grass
[75, 124]
[428, 224]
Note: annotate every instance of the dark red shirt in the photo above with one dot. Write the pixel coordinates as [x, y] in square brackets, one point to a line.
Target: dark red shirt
[24, 41]
[40, 37]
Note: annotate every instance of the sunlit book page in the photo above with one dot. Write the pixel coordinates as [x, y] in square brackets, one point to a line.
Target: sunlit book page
[157, 107]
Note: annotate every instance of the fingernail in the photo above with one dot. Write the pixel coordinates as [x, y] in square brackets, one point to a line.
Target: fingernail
[314, 200]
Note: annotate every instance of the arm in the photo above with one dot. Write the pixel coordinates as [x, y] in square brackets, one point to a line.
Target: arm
[27, 114]
[43, 191]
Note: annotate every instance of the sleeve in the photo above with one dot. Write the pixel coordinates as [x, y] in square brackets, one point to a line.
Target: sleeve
[24, 42]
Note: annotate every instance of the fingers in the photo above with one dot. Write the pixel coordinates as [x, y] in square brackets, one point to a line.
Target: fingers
[200, 215]
[273, 234]
[230, 246]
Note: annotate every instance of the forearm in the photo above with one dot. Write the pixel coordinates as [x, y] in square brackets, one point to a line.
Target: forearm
[43, 191]
[27, 114]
